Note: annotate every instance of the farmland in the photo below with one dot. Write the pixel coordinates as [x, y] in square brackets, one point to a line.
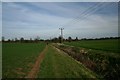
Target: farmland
[1, 59]
[76, 59]
[18, 58]
[52, 39]
[105, 45]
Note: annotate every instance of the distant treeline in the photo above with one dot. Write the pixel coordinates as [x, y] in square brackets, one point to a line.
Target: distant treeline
[59, 39]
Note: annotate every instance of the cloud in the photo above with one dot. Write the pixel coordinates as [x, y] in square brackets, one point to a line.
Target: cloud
[0, 20]
[44, 19]
[94, 26]
[28, 22]
[60, 0]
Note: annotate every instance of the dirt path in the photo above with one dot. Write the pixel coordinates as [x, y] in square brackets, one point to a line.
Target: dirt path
[36, 66]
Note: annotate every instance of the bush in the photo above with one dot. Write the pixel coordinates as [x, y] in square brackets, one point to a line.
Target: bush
[75, 49]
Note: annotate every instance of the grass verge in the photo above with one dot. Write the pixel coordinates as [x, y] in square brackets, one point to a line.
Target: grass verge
[59, 65]
[18, 58]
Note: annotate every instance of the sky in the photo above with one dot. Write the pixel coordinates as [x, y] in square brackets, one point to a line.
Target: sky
[60, 0]
[0, 21]
[43, 19]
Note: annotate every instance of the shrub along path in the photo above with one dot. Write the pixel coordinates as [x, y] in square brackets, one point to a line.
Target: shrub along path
[56, 64]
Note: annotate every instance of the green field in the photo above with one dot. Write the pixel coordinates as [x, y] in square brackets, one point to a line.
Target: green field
[105, 45]
[103, 53]
[0, 59]
[18, 58]
[59, 65]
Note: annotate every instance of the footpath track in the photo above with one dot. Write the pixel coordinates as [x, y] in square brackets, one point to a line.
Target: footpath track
[60, 65]
[34, 71]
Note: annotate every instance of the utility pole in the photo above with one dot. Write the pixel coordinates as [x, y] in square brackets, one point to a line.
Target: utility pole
[61, 30]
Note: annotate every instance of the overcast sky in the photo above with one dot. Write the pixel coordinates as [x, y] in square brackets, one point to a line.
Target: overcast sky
[43, 19]
[60, 0]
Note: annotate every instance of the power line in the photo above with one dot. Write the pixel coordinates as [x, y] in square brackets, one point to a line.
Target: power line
[83, 13]
[86, 13]
[90, 13]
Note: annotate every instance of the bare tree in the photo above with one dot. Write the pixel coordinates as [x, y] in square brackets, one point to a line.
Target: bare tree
[69, 39]
[76, 39]
[22, 39]
[3, 38]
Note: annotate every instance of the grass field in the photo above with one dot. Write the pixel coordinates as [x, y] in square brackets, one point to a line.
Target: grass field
[0, 59]
[103, 53]
[105, 45]
[59, 65]
[18, 58]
